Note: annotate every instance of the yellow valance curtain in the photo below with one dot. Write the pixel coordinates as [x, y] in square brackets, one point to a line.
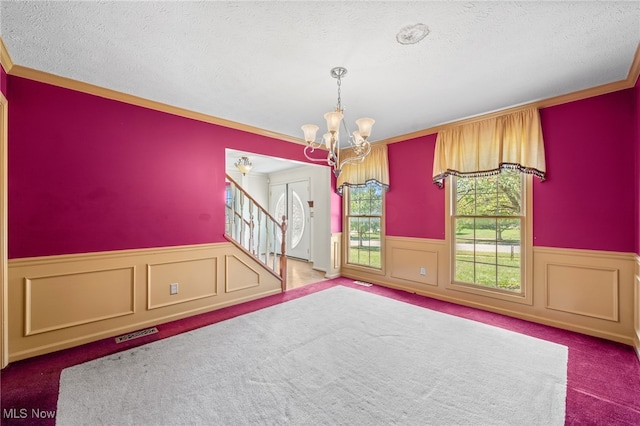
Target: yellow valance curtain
[482, 148]
[374, 167]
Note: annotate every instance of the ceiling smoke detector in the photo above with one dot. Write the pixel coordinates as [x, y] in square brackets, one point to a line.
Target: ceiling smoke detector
[411, 34]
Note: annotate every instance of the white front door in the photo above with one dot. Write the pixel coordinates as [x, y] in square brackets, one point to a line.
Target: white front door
[291, 200]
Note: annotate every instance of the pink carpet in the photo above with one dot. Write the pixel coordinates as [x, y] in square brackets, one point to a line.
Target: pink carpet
[603, 377]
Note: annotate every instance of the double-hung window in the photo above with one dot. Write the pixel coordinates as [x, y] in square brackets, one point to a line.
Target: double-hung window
[364, 206]
[489, 232]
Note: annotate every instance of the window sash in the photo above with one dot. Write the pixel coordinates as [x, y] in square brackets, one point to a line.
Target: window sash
[362, 256]
[496, 264]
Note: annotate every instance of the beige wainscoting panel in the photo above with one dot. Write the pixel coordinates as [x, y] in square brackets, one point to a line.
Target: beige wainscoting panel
[419, 266]
[583, 290]
[56, 302]
[239, 274]
[59, 301]
[193, 279]
[591, 291]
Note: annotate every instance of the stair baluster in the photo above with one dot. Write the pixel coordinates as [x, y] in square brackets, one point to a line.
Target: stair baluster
[247, 221]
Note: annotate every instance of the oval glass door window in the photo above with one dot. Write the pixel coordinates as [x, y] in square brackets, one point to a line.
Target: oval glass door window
[281, 210]
[296, 226]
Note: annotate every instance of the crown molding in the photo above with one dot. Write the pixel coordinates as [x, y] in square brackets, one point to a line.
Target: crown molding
[5, 58]
[634, 70]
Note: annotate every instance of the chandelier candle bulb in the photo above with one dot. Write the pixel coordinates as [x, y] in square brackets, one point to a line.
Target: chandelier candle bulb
[364, 126]
[333, 120]
[327, 140]
[310, 131]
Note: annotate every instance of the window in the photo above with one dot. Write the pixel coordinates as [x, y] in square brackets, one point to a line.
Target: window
[489, 223]
[364, 222]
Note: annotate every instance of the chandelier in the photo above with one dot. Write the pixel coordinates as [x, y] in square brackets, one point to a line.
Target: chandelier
[244, 165]
[357, 140]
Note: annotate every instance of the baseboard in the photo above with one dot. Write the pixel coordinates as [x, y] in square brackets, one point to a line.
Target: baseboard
[332, 276]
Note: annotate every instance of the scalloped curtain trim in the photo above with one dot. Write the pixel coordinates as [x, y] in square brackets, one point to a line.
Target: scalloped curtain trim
[362, 185]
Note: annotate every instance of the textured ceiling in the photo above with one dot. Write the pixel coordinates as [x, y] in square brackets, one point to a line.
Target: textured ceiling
[266, 64]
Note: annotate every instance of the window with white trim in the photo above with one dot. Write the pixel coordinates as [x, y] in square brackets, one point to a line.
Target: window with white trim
[488, 224]
[364, 223]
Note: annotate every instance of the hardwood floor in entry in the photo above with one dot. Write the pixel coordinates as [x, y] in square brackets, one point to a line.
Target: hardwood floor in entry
[300, 273]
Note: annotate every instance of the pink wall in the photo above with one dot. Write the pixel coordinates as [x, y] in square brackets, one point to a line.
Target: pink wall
[336, 207]
[414, 205]
[587, 201]
[637, 179]
[90, 174]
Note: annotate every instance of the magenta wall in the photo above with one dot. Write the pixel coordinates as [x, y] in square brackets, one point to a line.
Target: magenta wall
[90, 174]
[414, 205]
[637, 179]
[336, 207]
[587, 201]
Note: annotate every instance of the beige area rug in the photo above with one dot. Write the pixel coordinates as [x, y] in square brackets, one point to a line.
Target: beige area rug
[337, 357]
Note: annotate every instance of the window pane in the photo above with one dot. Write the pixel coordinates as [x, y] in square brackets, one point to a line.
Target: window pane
[465, 267]
[509, 242]
[509, 278]
[485, 252]
[509, 193]
[486, 202]
[376, 207]
[466, 197]
[354, 235]
[486, 275]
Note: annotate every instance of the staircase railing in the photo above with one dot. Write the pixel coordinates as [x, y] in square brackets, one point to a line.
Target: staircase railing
[253, 229]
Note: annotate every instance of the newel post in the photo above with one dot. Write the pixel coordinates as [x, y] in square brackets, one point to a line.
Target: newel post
[283, 254]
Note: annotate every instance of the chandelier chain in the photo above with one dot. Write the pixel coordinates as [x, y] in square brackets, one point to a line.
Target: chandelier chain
[339, 94]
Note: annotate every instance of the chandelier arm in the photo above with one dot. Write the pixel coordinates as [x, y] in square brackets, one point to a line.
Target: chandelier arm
[357, 158]
[309, 149]
[347, 132]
